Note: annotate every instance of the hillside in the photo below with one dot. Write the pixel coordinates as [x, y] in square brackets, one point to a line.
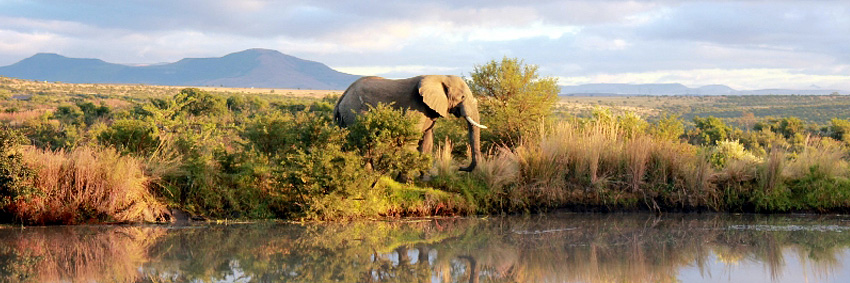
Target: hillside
[261, 68]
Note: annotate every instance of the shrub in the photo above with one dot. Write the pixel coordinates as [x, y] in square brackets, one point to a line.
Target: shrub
[669, 127]
[839, 129]
[131, 136]
[727, 150]
[386, 138]
[818, 190]
[323, 182]
[14, 174]
[52, 134]
[92, 113]
[241, 103]
[280, 133]
[67, 114]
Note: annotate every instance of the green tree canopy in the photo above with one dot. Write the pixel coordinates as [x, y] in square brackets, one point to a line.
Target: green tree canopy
[516, 100]
[711, 129]
[198, 102]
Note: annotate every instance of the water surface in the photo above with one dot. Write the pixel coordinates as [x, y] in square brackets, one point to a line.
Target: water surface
[556, 247]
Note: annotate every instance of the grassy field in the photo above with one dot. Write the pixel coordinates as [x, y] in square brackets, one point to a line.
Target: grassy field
[735, 110]
[11, 86]
[274, 153]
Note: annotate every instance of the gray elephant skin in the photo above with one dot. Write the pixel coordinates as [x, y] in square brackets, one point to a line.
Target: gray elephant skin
[429, 97]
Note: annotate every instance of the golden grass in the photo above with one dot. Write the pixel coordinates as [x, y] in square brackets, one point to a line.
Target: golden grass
[141, 90]
[828, 156]
[87, 184]
[18, 118]
[599, 163]
[443, 159]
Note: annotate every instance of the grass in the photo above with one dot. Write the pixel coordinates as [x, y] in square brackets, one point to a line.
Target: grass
[599, 165]
[811, 108]
[86, 183]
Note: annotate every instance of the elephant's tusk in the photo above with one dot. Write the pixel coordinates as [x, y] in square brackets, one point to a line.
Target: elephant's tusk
[475, 123]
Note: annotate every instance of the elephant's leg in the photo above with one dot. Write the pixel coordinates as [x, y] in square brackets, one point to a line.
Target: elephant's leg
[426, 144]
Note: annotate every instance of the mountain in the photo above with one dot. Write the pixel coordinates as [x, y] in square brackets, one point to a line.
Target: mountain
[679, 89]
[250, 68]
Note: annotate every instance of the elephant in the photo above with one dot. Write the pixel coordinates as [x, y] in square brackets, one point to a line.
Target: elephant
[430, 97]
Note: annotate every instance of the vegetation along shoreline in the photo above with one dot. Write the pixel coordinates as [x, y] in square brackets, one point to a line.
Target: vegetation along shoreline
[90, 153]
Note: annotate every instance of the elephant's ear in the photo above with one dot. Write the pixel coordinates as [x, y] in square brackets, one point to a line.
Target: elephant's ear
[434, 94]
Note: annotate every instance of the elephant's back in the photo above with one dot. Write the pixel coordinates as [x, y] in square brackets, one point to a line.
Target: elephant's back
[368, 92]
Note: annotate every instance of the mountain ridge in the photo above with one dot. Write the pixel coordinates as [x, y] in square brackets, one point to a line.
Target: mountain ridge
[263, 68]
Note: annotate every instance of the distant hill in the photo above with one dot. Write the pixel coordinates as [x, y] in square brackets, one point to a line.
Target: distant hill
[261, 68]
[679, 89]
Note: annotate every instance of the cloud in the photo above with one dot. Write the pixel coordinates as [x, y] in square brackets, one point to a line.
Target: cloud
[741, 79]
[576, 40]
[804, 26]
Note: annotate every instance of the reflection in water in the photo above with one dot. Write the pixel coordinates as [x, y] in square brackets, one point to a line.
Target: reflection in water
[551, 248]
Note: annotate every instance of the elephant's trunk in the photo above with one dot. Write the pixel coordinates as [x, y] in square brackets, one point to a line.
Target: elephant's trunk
[470, 112]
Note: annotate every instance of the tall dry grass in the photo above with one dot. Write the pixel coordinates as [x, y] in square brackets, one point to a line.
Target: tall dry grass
[827, 156]
[443, 159]
[87, 184]
[601, 163]
[18, 118]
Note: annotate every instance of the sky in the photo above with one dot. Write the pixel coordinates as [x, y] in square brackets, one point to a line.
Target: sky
[742, 44]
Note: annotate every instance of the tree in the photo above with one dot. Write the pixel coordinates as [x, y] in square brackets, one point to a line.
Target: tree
[669, 127]
[711, 130]
[515, 100]
[198, 102]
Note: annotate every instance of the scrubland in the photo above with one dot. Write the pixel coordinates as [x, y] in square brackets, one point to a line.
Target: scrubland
[109, 153]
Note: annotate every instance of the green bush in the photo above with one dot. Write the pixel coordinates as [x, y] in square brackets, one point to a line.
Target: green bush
[68, 114]
[669, 127]
[309, 178]
[52, 134]
[728, 150]
[242, 104]
[839, 129]
[131, 136]
[820, 191]
[92, 113]
[14, 174]
[280, 133]
[387, 138]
